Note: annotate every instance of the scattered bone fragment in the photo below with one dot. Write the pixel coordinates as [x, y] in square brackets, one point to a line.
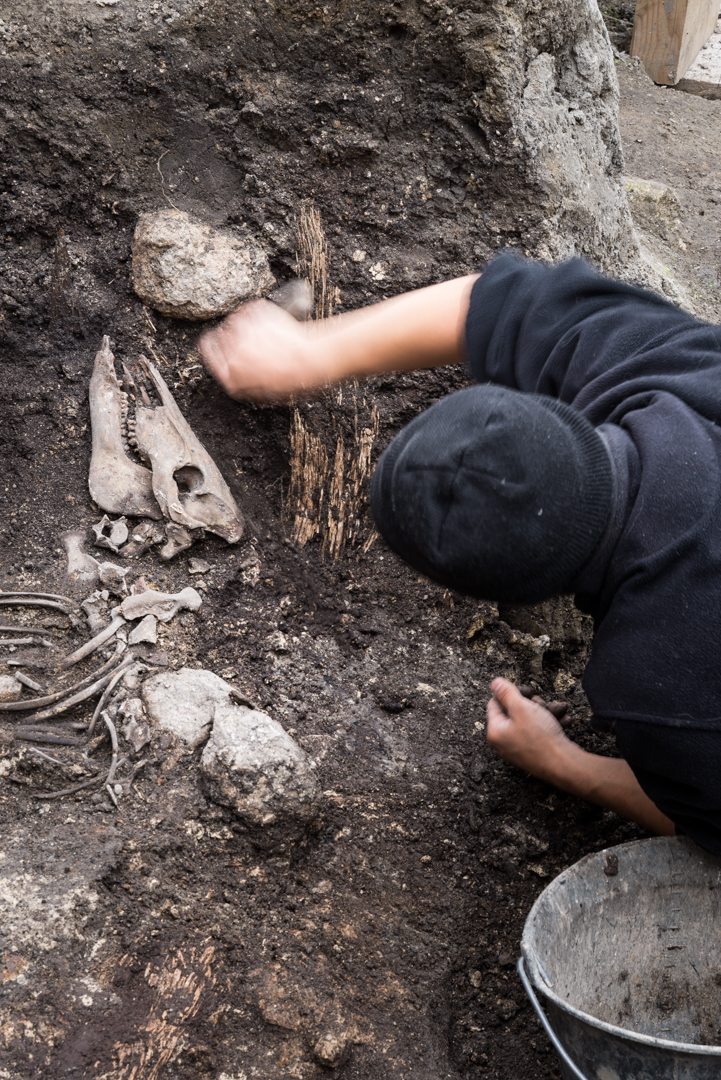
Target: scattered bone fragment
[183, 702]
[118, 484]
[139, 586]
[187, 483]
[10, 688]
[91, 607]
[198, 566]
[90, 646]
[135, 729]
[177, 539]
[27, 681]
[163, 605]
[142, 537]
[188, 270]
[82, 568]
[253, 766]
[113, 577]
[110, 534]
[146, 630]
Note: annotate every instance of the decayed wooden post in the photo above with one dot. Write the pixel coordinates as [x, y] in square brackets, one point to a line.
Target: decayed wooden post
[668, 34]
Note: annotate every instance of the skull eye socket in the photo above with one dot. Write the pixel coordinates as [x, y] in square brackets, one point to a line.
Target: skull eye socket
[188, 479]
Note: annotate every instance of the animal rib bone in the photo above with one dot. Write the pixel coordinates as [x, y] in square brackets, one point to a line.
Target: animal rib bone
[94, 643]
[186, 481]
[118, 484]
[163, 605]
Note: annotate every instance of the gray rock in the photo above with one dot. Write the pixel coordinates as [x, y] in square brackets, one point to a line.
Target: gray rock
[189, 270]
[253, 766]
[654, 206]
[184, 702]
[10, 688]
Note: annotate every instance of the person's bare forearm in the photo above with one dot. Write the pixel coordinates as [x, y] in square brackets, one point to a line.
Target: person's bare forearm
[528, 735]
[608, 782]
[262, 353]
[420, 329]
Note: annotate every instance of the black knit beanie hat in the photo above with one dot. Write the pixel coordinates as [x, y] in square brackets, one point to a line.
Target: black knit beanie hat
[495, 493]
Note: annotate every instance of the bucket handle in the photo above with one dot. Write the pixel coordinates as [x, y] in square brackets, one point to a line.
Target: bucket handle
[559, 1048]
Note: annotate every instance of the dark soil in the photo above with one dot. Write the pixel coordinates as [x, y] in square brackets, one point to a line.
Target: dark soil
[395, 926]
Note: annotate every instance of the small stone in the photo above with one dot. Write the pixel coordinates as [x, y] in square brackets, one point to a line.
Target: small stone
[252, 765]
[358, 256]
[184, 702]
[10, 688]
[277, 642]
[146, 630]
[652, 204]
[186, 269]
[198, 566]
[476, 979]
[331, 1049]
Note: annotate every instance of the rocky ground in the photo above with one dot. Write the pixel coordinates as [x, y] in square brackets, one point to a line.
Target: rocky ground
[161, 937]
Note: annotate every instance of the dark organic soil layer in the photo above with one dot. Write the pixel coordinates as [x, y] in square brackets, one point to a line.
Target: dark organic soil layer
[396, 924]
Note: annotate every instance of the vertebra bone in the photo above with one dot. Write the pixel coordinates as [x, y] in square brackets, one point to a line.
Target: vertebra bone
[163, 605]
[117, 533]
[117, 483]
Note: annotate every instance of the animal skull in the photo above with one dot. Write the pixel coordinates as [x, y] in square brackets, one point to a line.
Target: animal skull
[185, 485]
[118, 484]
[186, 481]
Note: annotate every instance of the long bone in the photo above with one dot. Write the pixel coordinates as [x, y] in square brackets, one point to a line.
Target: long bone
[180, 461]
[49, 699]
[37, 596]
[21, 601]
[82, 695]
[90, 646]
[118, 484]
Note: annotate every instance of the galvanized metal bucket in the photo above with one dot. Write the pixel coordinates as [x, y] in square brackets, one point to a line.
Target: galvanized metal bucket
[625, 950]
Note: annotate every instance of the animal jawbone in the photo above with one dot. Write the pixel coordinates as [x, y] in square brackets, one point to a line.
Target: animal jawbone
[118, 484]
[183, 484]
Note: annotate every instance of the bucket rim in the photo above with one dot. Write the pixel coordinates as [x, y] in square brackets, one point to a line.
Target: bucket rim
[537, 976]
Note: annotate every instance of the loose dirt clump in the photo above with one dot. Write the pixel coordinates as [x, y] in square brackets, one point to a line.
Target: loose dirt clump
[157, 939]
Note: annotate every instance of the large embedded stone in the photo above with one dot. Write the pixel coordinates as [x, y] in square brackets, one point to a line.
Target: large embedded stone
[252, 765]
[184, 702]
[189, 270]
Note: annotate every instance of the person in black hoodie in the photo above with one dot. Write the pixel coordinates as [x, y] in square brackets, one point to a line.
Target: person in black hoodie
[587, 459]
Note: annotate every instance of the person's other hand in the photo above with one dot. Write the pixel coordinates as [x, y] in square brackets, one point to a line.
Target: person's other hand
[261, 353]
[525, 733]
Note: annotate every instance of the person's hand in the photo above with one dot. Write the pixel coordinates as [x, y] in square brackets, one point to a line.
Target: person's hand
[525, 733]
[261, 353]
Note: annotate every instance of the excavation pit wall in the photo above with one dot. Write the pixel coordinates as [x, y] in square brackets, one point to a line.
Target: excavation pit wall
[158, 939]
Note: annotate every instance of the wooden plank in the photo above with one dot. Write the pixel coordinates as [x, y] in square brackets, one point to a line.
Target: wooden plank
[704, 75]
[668, 35]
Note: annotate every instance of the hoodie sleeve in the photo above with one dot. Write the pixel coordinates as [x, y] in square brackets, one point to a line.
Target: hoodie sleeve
[595, 343]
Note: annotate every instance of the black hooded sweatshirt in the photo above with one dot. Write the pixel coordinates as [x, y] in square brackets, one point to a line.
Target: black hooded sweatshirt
[648, 377]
